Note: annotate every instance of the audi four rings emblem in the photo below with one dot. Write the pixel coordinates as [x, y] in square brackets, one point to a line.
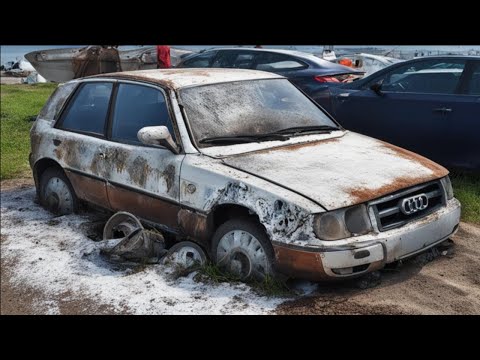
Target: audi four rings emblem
[413, 204]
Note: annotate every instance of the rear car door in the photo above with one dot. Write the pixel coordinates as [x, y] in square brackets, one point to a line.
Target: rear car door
[410, 111]
[142, 179]
[462, 115]
[80, 140]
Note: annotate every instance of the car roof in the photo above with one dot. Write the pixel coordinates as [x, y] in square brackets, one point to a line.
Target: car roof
[280, 51]
[299, 54]
[309, 58]
[186, 77]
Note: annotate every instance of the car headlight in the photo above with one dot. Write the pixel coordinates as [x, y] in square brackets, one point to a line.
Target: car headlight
[447, 185]
[342, 223]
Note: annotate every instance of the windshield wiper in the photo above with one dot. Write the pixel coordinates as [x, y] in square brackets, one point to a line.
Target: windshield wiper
[238, 139]
[303, 129]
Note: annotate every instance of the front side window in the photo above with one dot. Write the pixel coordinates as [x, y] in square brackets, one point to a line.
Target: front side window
[137, 106]
[89, 108]
[249, 108]
[277, 62]
[234, 60]
[201, 60]
[429, 76]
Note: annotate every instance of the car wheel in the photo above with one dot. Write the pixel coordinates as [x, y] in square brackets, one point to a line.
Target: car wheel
[56, 192]
[185, 254]
[241, 246]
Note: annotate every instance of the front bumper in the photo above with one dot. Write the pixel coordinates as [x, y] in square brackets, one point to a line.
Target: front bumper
[355, 256]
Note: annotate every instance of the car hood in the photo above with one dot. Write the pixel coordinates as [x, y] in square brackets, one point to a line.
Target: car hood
[340, 171]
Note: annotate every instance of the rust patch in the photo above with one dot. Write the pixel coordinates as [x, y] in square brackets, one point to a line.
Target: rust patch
[194, 225]
[147, 207]
[363, 194]
[166, 82]
[117, 158]
[299, 264]
[438, 170]
[139, 171]
[71, 152]
[89, 189]
[169, 175]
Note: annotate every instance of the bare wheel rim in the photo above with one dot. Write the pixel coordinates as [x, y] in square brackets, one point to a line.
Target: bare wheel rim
[242, 254]
[58, 196]
[121, 224]
[186, 256]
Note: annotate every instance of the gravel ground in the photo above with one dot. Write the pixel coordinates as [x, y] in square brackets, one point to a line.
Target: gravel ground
[49, 265]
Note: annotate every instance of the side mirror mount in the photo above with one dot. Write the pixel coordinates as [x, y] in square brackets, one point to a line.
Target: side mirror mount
[157, 135]
[377, 88]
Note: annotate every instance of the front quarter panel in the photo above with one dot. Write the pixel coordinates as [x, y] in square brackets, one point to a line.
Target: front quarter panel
[206, 183]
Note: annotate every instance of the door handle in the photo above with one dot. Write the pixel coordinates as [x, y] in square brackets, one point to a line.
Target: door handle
[443, 110]
[343, 96]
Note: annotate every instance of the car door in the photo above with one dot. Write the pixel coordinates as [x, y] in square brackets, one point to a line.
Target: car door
[409, 110]
[142, 179]
[79, 138]
[462, 117]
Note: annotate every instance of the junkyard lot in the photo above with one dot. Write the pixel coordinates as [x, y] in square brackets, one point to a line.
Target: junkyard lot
[398, 287]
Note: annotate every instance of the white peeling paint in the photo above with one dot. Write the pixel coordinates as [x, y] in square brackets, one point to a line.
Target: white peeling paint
[328, 172]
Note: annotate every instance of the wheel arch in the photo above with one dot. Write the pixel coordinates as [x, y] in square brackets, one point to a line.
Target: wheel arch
[39, 168]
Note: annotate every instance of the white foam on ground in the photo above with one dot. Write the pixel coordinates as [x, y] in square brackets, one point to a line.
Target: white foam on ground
[51, 254]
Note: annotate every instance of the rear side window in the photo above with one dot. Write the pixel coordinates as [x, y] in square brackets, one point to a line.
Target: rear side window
[474, 83]
[200, 61]
[138, 106]
[277, 62]
[51, 109]
[89, 108]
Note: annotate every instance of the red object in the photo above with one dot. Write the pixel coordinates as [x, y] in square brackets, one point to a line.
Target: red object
[163, 57]
[324, 79]
[346, 62]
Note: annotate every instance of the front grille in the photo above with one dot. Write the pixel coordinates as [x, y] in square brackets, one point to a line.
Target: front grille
[388, 210]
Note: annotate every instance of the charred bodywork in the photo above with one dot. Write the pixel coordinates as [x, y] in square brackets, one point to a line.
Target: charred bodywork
[298, 187]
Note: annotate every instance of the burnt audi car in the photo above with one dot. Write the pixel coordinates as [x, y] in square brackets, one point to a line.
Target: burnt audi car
[245, 165]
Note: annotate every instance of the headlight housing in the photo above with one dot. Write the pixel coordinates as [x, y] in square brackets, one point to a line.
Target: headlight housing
[447, 186]
[342, 223]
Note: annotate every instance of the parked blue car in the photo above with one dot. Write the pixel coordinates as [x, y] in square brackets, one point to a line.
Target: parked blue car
[308, 72]
[428, 105]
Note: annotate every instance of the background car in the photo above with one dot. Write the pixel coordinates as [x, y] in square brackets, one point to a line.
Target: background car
[429, 105]
[306, 71]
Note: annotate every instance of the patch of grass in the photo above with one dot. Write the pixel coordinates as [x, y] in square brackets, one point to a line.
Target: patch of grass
[211, 272]
[269, 286]
[19, 103]
[466, 188]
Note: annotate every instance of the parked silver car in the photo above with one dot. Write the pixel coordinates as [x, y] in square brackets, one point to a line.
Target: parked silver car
[244, 164]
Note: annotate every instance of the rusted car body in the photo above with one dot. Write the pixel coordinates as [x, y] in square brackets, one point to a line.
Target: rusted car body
[332, 203]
